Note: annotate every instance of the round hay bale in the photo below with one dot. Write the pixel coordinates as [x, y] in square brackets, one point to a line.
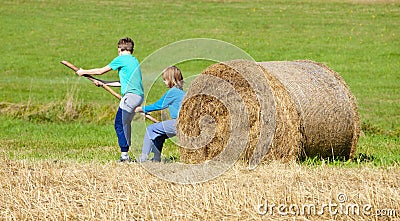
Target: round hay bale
[330, 124]
[273, 130]
[293, 109]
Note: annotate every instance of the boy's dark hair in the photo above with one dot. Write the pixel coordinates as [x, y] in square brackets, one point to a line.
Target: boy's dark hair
[126, 44]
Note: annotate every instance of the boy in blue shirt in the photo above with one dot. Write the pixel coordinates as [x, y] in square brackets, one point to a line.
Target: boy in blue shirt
[157, 133]
[130, 81]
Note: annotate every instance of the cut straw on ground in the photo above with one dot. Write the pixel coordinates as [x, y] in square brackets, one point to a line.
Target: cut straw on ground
[70, 191]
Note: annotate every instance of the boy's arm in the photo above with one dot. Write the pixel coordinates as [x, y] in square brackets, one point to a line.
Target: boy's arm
[112, 83]
[94, 71]
[100, 83]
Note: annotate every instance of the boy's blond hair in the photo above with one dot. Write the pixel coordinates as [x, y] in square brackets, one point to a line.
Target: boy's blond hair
[126, 44]
[174, 77]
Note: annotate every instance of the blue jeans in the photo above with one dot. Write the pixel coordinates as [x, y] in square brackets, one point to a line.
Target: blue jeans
[123, 119]
[154, 139]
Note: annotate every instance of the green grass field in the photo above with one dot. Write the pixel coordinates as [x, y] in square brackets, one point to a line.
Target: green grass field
[48, 113]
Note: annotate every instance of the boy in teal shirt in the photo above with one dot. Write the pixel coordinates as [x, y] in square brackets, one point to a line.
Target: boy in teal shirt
[131, 85]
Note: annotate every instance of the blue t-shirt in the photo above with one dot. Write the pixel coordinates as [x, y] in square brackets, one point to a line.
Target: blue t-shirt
[172, 100]
[130, 75]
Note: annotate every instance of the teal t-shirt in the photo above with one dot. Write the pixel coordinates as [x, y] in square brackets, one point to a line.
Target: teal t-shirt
[130, 75]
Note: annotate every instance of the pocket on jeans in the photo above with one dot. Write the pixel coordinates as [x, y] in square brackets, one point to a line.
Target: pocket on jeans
[130, 102]
[127, 105]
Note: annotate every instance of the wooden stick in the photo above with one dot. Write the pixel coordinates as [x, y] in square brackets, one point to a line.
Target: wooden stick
[106, 87]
